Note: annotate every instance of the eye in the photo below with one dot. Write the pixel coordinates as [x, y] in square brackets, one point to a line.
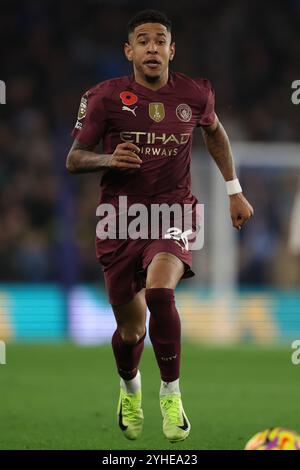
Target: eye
[142, 42]
[161, 42]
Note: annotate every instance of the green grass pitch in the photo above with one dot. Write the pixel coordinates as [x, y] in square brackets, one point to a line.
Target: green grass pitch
[63, 396]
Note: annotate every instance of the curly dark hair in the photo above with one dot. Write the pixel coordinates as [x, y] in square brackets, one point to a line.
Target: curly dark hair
[149, 16]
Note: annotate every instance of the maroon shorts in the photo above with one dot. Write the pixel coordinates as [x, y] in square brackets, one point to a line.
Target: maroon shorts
[125, 264]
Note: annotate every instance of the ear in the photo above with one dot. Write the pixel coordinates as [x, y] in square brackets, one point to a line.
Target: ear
[128, 51]
[172, 50]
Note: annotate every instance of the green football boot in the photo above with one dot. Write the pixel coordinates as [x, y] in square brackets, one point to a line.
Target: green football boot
[130, 414]
[176, 426]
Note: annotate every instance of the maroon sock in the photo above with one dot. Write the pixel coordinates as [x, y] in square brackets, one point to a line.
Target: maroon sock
[164, 331]
[127, 355]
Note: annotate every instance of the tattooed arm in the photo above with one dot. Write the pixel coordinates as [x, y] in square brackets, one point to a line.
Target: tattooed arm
[217, 143]
[82, 159]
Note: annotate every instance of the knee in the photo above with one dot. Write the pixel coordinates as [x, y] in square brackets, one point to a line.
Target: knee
[164, 271]
[130, 337]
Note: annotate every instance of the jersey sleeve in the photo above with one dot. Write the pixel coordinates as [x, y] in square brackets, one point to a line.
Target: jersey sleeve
[91, 119]
[207, 103]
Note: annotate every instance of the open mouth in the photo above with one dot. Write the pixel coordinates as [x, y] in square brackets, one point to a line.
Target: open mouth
[152, 63]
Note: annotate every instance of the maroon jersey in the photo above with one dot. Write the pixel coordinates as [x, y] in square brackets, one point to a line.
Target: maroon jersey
[160, 123]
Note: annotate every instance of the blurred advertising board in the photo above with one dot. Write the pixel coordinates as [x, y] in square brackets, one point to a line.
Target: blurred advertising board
[31, 312]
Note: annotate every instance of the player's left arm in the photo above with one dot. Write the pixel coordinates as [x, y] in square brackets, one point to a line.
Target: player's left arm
[218, 145]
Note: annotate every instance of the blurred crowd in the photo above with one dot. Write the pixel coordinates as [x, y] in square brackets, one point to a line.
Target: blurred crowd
[54, 51]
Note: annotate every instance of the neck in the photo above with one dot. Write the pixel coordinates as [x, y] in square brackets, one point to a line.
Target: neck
[161, 82]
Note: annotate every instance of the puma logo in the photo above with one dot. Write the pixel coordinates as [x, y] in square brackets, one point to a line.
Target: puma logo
[175, 233]
[125, 108]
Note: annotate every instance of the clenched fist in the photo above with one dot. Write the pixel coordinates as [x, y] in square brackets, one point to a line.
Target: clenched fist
[125, 157]
[240, 210]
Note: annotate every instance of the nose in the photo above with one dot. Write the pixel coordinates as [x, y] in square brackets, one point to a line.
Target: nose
[152, 47]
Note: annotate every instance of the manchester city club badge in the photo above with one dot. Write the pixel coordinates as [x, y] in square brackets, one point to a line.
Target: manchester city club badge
[184, 112]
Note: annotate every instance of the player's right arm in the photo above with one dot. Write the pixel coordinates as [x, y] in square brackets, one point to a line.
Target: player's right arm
[89, 130]
[82, 158]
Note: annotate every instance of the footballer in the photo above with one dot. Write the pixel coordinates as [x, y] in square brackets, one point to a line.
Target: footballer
[145, 122]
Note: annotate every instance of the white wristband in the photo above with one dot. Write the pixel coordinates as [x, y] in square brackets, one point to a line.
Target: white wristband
[233, 187]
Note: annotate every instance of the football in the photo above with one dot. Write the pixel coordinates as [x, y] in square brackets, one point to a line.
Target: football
[274, 439]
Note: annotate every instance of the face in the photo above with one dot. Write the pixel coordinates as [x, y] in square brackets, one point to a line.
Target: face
[150, 49]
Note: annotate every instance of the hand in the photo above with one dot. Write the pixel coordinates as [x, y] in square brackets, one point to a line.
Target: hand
[125, 158]
[240, 210]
